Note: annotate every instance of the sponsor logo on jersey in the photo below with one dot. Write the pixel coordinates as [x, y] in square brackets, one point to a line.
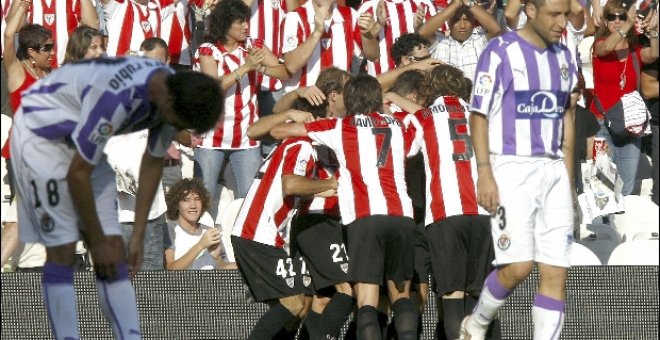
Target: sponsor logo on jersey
[102, 131]
[484, 84]
[539, 105]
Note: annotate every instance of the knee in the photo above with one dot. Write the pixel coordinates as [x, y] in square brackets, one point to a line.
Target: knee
[344, 288]
[294, 304]
[515, 273]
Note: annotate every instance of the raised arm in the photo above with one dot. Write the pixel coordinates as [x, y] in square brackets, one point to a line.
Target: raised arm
[650, 27]
[430, 27]
[297, 58]
[607, 46]
[512, 13]
[88, 14]
[14, 21]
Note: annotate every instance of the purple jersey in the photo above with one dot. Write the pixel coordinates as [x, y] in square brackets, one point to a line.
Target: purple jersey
[523, 92]
[87, 102]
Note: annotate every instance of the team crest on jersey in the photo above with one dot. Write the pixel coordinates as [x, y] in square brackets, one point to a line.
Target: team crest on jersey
[47, 223]
[503, 242]
[275, 4]
[49, 18]
[306, 280]
[146, 26]
[563, 70]
[326, 43]
[484, 84]
[344, 267]
[290, 281]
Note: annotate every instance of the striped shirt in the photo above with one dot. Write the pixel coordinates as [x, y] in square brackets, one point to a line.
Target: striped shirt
[241, 108]
[400, 16]
[326, 168]
[89, 101]
[371, 151]
[266, 212]
[175, 30]
[265, 23]
[523, 91]
[442, 134]
[60, 17]
[129, 24]
[340, 45]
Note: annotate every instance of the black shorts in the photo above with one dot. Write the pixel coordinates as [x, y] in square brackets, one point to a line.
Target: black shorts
[269, 272]
[422, 256]
[461, 249]
[319, 238]
[381, 248]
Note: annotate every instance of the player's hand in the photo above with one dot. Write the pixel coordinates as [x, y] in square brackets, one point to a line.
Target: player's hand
[298, 116]
[426, 64]
[210, 238]
[312, 94]
[135, 254]
[105, 259]
[487, 193]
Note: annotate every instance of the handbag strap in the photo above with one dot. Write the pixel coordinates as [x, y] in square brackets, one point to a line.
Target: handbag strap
[599, 106]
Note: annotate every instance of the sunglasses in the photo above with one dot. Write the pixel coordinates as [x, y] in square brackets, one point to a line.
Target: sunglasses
[46, 47]
[614, 16]
[413, 58]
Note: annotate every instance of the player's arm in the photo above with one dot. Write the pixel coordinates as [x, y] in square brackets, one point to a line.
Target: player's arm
[568, 143]
[487, 192]
[311, 94]
[297, 58]
[88, 14]
[404, 103]
[302, 186]
[151, 171]
[80, 187]
[262, 127]
[288, 130]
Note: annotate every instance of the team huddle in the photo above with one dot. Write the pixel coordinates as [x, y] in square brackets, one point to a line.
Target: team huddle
[328, 219]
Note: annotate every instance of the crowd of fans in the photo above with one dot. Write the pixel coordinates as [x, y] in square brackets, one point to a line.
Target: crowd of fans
[288, 61]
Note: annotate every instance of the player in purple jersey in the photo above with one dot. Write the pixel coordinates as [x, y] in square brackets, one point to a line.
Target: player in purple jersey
[67, 188]
[523, 104]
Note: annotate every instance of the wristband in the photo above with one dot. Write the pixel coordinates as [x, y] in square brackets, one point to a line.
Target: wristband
[237, 76]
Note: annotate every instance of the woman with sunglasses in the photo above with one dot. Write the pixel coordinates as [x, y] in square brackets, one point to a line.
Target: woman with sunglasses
[614, 48]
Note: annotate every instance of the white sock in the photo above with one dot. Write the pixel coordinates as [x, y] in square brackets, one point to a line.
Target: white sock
[492, 297]
[60, 301]
[548, 317]
[117, 299]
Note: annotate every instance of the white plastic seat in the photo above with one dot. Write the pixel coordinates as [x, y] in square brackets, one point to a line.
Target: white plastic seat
[641, 215]
[228, 216]
[601, 239]
[637, 252]
[583, 256]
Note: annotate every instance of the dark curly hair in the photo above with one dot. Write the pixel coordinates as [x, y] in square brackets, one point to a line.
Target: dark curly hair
[31, 36]
[446, 80]
[405, 45]
[225, 13]
[180, 190]
[196, 99]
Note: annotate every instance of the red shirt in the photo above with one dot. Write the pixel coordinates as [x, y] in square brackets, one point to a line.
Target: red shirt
[607, 77]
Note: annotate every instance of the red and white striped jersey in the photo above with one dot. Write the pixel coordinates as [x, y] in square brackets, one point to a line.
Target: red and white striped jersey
[340, 44]
[265, 213]
[265, 23]
[400, 16]
[327, 167]
[371, 151]
[175, 30]
[60, 17]
[241, 108]
[129, 24]
[443, 135]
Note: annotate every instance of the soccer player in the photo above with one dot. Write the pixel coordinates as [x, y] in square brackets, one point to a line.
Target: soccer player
[371, 149]
[68, 189]
[261, 235]
[522, 125]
